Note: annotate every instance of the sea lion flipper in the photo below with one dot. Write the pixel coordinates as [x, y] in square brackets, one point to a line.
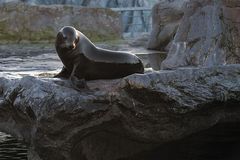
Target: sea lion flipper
[63, 74]
[78, 84]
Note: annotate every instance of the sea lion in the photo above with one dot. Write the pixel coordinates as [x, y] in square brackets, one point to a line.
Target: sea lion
[83, 60]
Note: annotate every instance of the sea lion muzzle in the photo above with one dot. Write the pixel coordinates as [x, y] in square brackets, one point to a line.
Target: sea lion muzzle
[72, 46]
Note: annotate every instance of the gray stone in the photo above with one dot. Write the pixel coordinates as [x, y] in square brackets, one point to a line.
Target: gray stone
[21, 22]
[115, 119]
[166, 17]
[127, 18]
[96, 3]
[208, 35]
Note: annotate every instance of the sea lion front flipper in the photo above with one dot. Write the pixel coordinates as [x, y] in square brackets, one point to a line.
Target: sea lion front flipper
[76, 82]
[63, 74]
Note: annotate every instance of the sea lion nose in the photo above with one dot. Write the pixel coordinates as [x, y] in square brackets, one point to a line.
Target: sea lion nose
[71, 47]
[64, 37]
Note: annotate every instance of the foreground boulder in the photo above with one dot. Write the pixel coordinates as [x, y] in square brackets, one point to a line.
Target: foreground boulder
[115, 119]
[21, 22]
[208, 35]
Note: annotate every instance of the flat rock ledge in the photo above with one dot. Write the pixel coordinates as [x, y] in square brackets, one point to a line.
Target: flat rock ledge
[116, 119]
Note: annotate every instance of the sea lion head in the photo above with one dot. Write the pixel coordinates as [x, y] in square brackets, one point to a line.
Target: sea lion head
[67, 38]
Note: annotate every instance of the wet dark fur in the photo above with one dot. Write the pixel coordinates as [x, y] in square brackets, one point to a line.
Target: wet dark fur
[90, 70]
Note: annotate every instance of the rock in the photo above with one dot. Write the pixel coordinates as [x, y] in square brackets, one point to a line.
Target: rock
[128, 17]
[166, 16]
[155, 59]
[139, 40]
[20, 22]
[96, 3]
[207, 36]
[115, 119]
[218, 142]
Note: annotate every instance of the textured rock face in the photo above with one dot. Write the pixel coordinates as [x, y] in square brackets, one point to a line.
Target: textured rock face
[97, 3]
[21, 22]
[166, 16]
[115, 119]
[208, 35]
[128, 17]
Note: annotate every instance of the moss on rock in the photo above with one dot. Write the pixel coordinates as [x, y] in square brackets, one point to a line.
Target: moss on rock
[26, 23]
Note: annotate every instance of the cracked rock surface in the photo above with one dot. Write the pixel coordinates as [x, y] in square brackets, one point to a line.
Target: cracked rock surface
[208, 35]
[166, 17]
[115, 119]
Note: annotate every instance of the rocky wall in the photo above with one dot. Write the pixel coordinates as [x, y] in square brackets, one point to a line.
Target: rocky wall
[20, 22]
[207, 36]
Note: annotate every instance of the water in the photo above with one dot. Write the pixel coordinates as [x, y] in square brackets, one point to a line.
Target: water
[12, 149]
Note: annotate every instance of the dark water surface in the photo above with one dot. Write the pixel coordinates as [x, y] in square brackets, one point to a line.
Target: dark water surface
[11, 149]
